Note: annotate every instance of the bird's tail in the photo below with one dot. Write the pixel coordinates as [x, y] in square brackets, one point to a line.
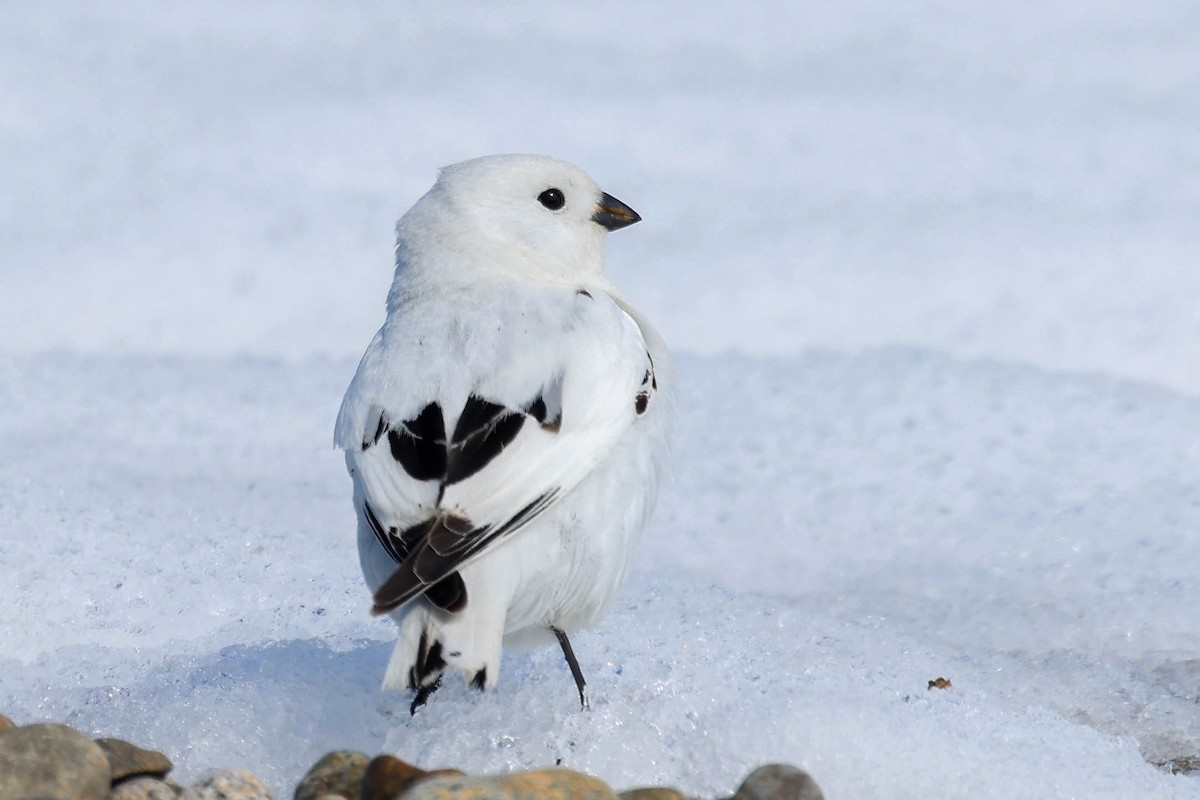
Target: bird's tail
[432, 641]
[417, 661]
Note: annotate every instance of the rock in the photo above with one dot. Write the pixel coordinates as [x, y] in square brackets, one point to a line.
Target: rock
[779, 782]
[1180, 765]
[228, 784]
[144, 788]
[546, 784]
[127, 760]
[652, 793]
[48, 760]
[387, 776]
[337, 773]
[6, 724]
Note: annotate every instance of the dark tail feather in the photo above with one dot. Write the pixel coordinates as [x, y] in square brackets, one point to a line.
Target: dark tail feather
[429, 664]
[425, 676]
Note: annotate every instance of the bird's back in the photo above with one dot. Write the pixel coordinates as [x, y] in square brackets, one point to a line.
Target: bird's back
[508, 343]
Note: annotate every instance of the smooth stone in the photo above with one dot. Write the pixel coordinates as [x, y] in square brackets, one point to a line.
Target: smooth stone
[779, 782]
[6, 724]
[338, 773]
[388, 777]
[652, 793]
[144, 787]
[127, 760]
[49, 760]
[546, 784]
[228, 784]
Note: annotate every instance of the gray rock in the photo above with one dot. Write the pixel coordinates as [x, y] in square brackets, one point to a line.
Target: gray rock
[48, 760]
[779, 782]
[337, 773]
[144, 788]
[127, 760]
[228, 784]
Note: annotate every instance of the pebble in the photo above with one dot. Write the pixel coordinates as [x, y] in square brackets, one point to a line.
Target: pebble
[144, 788]
[339, 773]
[546, 784]
[652, 793]
[779, 782]
[127, 760]
[228, 784]
[1181, 765]
[6, 723]
[388, 777]
[49, 760]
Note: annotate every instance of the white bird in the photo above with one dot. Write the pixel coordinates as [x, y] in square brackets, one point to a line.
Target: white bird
[508, 424]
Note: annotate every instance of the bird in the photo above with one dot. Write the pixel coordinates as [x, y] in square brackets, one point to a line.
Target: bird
[507, 428]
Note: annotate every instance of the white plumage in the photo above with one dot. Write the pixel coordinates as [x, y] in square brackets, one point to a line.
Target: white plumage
[507, 426]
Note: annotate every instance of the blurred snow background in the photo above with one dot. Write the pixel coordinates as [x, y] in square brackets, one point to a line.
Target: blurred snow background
[933, 273]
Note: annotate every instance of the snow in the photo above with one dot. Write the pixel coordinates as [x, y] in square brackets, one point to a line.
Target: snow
[931, 275]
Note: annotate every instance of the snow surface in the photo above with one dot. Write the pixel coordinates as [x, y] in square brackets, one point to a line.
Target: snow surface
[931, 272]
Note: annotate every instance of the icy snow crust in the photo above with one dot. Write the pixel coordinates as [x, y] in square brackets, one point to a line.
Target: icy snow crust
[840, 530]
[955, 245]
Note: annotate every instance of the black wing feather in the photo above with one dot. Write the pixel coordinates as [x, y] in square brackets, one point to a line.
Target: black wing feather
[484, 429]
[430, 552]
[426, 567]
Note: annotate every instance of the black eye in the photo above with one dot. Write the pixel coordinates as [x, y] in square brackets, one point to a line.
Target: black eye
[552, 199]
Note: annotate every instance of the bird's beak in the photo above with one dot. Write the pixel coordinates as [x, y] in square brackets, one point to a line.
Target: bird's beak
[612, 214]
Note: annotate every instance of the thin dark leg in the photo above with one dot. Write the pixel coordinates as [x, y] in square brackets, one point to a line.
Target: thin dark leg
[573, 663]
[423, 695]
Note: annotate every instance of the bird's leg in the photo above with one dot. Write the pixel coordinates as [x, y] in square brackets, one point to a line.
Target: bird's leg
[573, 663]
[423, 693]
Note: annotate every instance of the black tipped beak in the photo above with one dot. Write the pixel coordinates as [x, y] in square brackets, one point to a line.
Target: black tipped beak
[612, 214]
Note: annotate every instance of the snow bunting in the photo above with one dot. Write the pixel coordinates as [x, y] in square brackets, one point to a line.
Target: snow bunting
[507, 426]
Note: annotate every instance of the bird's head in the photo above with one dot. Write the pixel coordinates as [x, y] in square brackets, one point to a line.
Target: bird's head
[512, 214]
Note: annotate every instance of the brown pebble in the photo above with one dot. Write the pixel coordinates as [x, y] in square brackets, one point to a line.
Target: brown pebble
[652, 793]
[6, 724]
[779, 782]
[939, 683]
[1180, 765]
[546, 784]
[49, 760]
[338, 773]
[144, 788]
[387, 776]
[128, 760]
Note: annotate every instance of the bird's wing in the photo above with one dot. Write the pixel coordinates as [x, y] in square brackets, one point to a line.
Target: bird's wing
[445, 476]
